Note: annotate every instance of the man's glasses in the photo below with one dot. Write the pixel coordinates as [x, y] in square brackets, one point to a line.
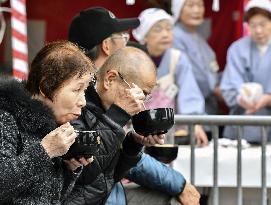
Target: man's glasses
[147, 96]
[122, 78]
[124, 36]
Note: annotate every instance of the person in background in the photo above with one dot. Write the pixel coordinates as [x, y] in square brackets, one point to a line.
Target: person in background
[34, 126]
[188, 15]
[177, 87]
[155, 174]
[248, 61]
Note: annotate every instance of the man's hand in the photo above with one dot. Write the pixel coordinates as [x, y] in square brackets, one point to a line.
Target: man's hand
[201, 137]
[189, 196]
[131, 100]
[73, 163]
[149, 140]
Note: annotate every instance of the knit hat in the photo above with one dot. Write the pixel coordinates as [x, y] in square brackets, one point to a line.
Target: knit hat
[263, 4]
[148, 18]
[176, 7]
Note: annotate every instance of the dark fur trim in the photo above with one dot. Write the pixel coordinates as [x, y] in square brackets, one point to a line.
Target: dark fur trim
[31, 115]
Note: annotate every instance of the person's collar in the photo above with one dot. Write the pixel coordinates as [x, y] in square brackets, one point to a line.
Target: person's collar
[100, 59]
[93, 97]
[114, 112]
[157, 59]
[263, 48]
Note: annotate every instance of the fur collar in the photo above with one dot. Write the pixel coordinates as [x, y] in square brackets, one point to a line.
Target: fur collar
[30, 115]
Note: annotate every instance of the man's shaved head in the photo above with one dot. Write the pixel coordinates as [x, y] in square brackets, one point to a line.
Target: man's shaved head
[132, 63]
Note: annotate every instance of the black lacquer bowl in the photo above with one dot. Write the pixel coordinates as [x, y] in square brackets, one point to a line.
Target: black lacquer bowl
[164, 153]
[153, 121]
[86, 145]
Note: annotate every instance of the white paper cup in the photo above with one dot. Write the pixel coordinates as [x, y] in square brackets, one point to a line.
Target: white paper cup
[251, 92]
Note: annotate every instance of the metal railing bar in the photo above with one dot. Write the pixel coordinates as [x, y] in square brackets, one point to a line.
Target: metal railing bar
[215, 166]
[263, 163]
[223, 120]
[192, 154]
[239, 166]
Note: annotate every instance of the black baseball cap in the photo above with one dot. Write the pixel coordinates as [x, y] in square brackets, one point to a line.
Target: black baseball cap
[91, 26]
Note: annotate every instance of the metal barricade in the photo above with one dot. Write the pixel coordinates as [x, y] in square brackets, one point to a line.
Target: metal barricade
[214, 121]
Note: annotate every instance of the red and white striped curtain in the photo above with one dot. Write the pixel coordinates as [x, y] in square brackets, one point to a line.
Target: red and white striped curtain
[19, 39]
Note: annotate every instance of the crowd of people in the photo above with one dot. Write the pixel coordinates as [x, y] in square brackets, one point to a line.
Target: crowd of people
[93, 81]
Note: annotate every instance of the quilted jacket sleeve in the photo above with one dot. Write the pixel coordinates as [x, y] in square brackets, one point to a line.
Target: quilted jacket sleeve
[130, 155]
[155, 175]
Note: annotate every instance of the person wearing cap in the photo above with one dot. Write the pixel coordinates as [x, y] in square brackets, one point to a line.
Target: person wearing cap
[99, 48]
[155, 32]
[99, 32]
[248, 60]
[188, 15]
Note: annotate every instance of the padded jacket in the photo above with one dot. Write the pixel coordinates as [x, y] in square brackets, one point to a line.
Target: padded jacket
[28, 175]
[117, 153]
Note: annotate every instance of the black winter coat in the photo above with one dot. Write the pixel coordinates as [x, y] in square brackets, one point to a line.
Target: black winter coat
[28, 176]
[116, 156]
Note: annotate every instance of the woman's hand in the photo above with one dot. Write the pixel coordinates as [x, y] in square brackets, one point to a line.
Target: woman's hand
[73, 163]
[58, 141]
[248, 106]
[252, 108]
[263, 102]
